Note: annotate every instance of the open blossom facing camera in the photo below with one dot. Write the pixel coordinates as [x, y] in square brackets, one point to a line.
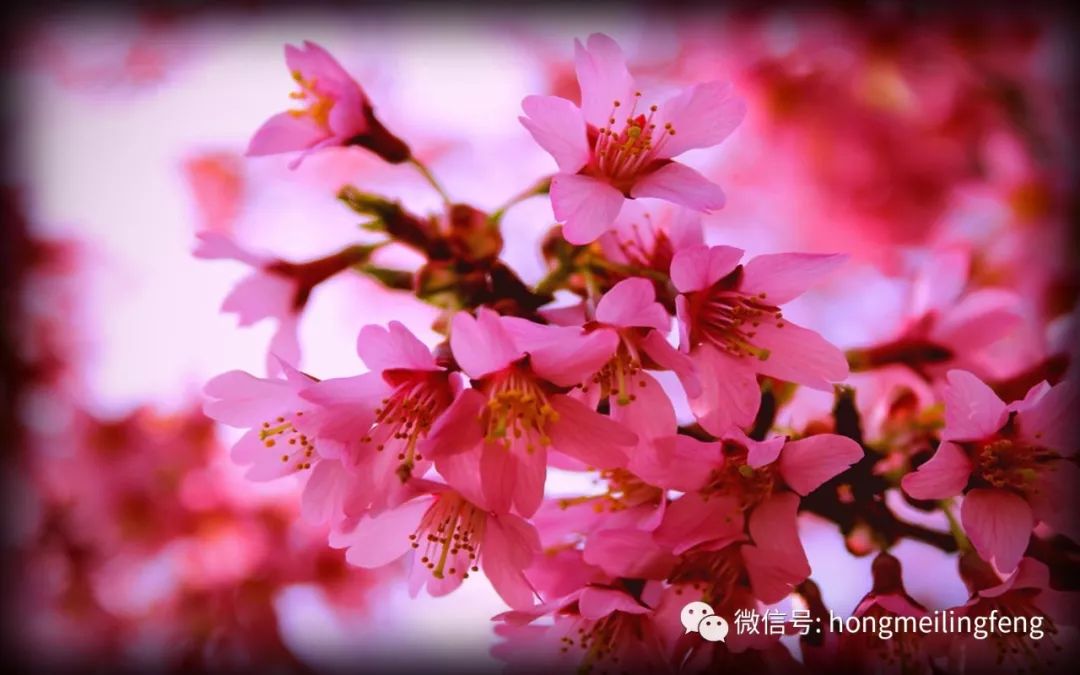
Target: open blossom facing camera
[662, 373]
[1013, 464]
[332, 111]
[617, 145]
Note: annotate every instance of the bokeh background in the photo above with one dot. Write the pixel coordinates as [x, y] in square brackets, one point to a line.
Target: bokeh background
[894, 134]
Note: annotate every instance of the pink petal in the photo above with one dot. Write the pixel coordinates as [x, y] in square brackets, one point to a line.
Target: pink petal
[679, 184]
[315, 63]
[586, 206]
[245, 400]
[650, 415]
[461, 471]
[999, 524]
[259, 296]
[1029, 574]
[481, 346]
[944, 475]
[691, 520]
[776, 562]
[979, 320]
[759, 453]
[782, 277]
[379, 540]
[677, 462]
[559, 128]
[284, 344]
[940, 281]
[1051, 421]
[603, 77]
[329, 487]
[512, 477]
[659, 350]
[1054, 500]
[216, 246]
[381, 349]
[575, 358]
[595, 603]
[632, 302]
[697, 267]
[510, 544]
[972, 409]
[730, 395]
[285, 132]
[587, 435]
[702, 116]
[798, 355]
[628, 553]
[807, 463]
[458, 428]
[685, 229]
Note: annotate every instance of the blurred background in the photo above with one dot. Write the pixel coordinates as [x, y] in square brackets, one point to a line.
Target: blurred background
[897, 135]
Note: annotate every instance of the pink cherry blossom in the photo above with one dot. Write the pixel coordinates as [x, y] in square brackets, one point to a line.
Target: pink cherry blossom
[613, 147]
[603, 623]
[374, 423]
[649, 238]
[739, 482]
[1011, 462]
[504, 425]
[448, 537]
[733, 329]
[336, 112]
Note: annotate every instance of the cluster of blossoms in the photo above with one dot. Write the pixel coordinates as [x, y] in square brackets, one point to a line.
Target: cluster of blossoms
[446, 454]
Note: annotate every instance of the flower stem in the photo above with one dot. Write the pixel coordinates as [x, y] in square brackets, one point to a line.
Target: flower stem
[541, 187]
[963, 544]
[430, 178]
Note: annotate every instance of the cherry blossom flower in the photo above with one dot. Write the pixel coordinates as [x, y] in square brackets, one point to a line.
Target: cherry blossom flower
[449, 537]
[603, 623]
[732, 326]
[277, 289]
[374, 423]
[271, 410]
[1024, 595]
[1012, 463]
[516, 411]
[614, 148]
[738, 481]
[642, 238]
[337, 112]
[903, 651]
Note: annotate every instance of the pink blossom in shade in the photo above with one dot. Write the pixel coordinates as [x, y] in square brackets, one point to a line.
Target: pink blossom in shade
[1013, 464]
[906, 651]
[949, 325]
[603, 624]
[217, 184]
[264, 294]
[516, 411]
[448, 538]
[271, 410]
[649, 238]
[375, 422]
[741, 490]
[335, 111]
[613, 147]
[1026, 593]
[732, 327]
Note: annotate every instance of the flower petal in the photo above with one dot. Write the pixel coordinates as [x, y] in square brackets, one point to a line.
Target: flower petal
[458, 428]
[595, 603]
[695, 268]
[972, 409]
[999, 524]
[944, 475]
[691, 520]
[385, 349]
[558, 126]
[776, 562]
[730, 395]
[1051, 421]
[632, 302]
[285, 132]
[799, 355]
[702, 116]
[510, 544]
[782, 277]
[628, 552]
[807, 463]
[586, 206]
[603, 77]
[481, 345]
[589, 436]
[379, 540]
[575, 358]
[679, 184]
